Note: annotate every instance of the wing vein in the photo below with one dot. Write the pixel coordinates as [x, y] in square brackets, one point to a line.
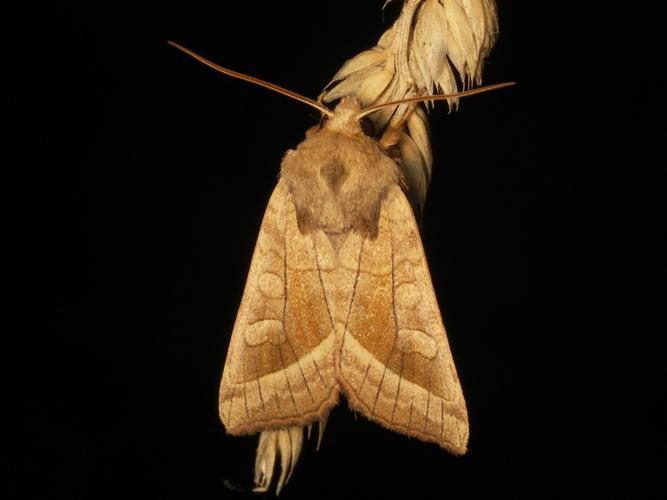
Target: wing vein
[363, 381]
[317, 368]
[259, 390]
[384, 372]
[393, 306]
[275, 395]
[324, 292]
[245, 395]
[305, 380]
[398, 389]
[285, 302]
[442, 417]
[354, 292]
[289, 385]
[428, 400]
[231, 403]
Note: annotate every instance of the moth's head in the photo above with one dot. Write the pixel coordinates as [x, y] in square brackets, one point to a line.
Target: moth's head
[346, 118]
[344, 114]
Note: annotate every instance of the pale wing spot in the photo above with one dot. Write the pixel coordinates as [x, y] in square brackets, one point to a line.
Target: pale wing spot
[408, 295]
[416, 341]
[271, 285]
[268, 330]
[373, 261]
[404, 271]
[270, 252]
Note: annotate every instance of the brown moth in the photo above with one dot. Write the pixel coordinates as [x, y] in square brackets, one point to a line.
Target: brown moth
[339, 300]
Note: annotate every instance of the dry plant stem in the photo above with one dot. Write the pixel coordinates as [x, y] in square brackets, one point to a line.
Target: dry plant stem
[320, 433]
[286, 445]
[401, 44]
[432, 46]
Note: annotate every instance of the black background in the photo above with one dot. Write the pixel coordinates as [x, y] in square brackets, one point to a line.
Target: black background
[135, 183]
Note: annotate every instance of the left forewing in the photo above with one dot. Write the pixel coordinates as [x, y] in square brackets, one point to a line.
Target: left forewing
[280, 365]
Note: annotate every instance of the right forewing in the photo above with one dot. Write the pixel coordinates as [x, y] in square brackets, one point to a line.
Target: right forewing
[396, 365]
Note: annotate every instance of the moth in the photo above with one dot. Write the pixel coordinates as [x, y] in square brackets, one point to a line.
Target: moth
[338, 300]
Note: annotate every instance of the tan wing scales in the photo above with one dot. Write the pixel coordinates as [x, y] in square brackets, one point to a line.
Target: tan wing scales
[396, 366]
[280, 365]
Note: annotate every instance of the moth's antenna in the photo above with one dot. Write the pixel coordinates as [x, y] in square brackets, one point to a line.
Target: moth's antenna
[252, 79]
[436, 97]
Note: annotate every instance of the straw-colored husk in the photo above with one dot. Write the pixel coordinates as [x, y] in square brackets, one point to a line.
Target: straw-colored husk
[435, 46]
